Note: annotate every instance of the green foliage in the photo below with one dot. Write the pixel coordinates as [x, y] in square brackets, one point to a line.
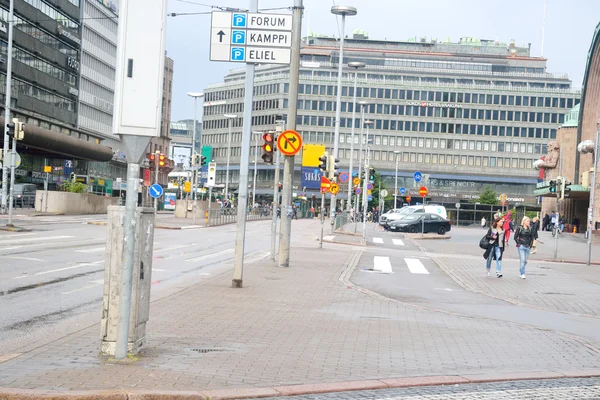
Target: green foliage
[73, 187]
[488, 196]
[376, 190]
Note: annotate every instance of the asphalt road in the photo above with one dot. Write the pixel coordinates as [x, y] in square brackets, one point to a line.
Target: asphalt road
[51, 279]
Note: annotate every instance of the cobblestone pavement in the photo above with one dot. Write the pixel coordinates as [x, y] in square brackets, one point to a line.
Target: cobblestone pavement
[556, 389]
[567, 288]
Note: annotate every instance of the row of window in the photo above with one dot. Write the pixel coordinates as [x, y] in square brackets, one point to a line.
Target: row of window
[39, 64]
[96, 90]
[97, 65]
[259, 90]
[100, 42]
[25, 88]
[40, 34]
[90, 11]
[53, 13]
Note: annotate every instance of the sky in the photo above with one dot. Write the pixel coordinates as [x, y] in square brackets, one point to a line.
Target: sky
[569, 27]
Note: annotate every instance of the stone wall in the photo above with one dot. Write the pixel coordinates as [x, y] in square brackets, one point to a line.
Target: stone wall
[72, 203]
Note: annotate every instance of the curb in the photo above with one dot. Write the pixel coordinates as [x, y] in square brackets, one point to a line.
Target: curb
[294, 390]
[568, 261]
[345, 243]
[103, 223]
[100, 223]
[417, 236]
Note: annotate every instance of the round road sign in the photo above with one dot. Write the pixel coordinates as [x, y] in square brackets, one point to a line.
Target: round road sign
[402, 191]
[356, 181]
[457, 205]
[334, 188]
[423, 191]
[357, 191]
[344, 177]
[289, 142]
[383, 193]
[155, 191]
[370, 186]
[418, 176]
[408, 199]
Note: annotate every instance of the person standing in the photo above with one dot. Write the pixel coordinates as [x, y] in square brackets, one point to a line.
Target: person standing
[545, 222]
[524, 240]
[498, 215]
[508, 225]
[496, 246]
[535, 227]
[483, 221]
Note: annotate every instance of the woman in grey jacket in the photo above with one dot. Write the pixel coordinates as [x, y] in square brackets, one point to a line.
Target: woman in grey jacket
[496, 239]
[524, 237]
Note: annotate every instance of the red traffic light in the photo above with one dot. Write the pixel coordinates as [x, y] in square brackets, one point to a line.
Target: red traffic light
[267, 137]
[151, 157]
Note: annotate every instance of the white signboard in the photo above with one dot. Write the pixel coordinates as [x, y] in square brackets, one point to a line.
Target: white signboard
[251, 37]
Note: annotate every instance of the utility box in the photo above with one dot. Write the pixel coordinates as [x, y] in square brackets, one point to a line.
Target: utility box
[141, 280]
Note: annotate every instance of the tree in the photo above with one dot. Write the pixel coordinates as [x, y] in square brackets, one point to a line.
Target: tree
[488, 196]
[73, 187]
[376, 190]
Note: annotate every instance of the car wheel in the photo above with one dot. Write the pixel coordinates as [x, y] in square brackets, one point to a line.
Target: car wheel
[413, 229]
[442, 230]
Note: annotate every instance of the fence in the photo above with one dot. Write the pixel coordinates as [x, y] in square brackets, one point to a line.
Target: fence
[216, 215]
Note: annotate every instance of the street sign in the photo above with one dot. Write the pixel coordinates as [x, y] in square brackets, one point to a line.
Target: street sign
[418, 176]
[408, 199]
[402, 191]
[423, 191]
[289, 143]
[357, 191]
[17, 160]
[334, 188]
[369, 197]
[383, 193]
[369, 191]
[325, 184]
[187, 186]
[356, 181]
[251, 37]
[155, 191]
[211, 175]
[503, 198]
[370, 186]
[344, 177]
[311, 154]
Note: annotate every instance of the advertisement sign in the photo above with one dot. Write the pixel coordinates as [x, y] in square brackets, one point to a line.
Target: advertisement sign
[311, 178]
[170, 199]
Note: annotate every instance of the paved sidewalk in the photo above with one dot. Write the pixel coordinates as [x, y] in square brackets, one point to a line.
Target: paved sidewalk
[298, 325]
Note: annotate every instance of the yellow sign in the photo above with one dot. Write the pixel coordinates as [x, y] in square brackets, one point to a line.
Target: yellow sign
[334, 188]
[311, 154]
[289, 142]
[187, 187]
[369, 191]
[47, 168]
[356, 181]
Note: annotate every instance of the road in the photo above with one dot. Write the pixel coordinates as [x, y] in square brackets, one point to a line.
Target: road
[51, 280]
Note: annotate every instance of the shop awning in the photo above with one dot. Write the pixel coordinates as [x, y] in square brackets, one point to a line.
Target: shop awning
[47, 143]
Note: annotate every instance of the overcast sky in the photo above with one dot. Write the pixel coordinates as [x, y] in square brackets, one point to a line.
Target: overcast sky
[570, 25]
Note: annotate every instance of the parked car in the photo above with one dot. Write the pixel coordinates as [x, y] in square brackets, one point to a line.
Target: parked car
[24, 195]
[414, 222]
[409, 210]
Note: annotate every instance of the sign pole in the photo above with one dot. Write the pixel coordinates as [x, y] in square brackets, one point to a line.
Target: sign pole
[7, 105]
[288, 164]
[11, 195]
[322, 218]
[156, 181]
[275, 206]
[591, 207]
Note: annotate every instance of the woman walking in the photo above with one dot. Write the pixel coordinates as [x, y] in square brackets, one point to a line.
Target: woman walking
[495, 249]
[524, 237]
[535, 227]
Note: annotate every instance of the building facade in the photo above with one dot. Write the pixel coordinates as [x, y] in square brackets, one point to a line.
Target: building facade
[467, 114]
[180, 149]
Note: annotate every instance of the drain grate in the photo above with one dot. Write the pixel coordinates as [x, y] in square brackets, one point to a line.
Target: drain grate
[207, 350]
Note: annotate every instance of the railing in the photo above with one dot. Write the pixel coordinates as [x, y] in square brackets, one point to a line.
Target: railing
[216, 216]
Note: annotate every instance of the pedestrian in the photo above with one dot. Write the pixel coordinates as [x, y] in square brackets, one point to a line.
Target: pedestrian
[498, 215]
[577, 223]
[545, 222]
[508, 225]
[294, 212]
[535, 227]
[553, 221]
[524, 240]
[561, 224]
[483, 221]
[497, 241]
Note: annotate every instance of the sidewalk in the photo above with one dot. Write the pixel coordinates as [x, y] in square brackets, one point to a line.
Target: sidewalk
[303, 325]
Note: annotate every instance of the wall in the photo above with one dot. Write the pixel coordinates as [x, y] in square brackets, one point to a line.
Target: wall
[73, 203]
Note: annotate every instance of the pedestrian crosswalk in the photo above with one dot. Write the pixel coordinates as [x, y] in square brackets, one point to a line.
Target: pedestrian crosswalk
[383, 265]
[396, 242]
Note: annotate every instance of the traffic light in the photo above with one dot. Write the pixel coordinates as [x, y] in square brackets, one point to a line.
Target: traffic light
[372, 175]
[151, 159]
[323, 160]
[279, 187]
[162, 160]
[558, 187]
[11, 129]
[552, 187]
[566, 190]
[268, 148]
[332, 167]
[202, 160]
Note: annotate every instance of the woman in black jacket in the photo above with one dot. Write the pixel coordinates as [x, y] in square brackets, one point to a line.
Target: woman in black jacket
[524, 237]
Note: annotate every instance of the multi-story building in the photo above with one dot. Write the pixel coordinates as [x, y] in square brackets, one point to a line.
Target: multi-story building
[465, 114]
[181, 142]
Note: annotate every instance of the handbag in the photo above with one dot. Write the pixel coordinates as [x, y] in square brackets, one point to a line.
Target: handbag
[484, 243]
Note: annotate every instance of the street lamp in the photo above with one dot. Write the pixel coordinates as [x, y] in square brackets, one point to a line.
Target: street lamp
[343, 11]
[365, 180]
[355, 66]
[230, 117]
[255, 161]
[588, 146]
[196, 96]
[362, 103]
[396, 181]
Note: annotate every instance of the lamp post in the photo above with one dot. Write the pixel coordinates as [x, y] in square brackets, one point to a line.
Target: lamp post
[365, 180]
[356, 66]
[255, 161]
[396, 181]
[343, 11]
[196, 96]
[230, 117]
[588, 146]
[362, 126]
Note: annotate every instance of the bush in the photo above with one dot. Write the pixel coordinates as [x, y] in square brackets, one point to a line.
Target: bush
[73, 187]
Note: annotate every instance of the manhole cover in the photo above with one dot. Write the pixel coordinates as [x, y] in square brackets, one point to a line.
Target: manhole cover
[206, 350]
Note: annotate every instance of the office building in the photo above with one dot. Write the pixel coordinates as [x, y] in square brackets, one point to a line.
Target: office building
[466, 114]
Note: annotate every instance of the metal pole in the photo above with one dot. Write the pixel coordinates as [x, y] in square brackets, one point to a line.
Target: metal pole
[275, 205]
[156, 177]
[423, 218]
[288, 165]
[360, 140]
[242, 210]
[338, 110]
[254, 179]
[352, 144]
[364, 196]
[7, 101]
[194, 153]
[396, 184]
[558, 210]
[11, 196]
[592, 190]
[129, 227]
[322, 218]
[229, 142]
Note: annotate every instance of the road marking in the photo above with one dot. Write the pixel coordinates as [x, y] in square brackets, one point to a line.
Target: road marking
[67, 268]
[378, 240]
[10, 248]
[328, 238]
[23, 258]
[159, 270]
[94, 250]
[181, 246]
[382, 264]
[9, 356]
[81, 289]
[38, 239]
[398, 242]
[16, 235]
[201, 258]
[416, 266]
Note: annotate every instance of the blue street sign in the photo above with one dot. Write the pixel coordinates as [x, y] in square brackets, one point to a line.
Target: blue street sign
[370, 186]
[155, 191]
[238, 37]
[238, 54]
[402, 191]
[418, 176]
[239, 20]
[370, 197]
[357, 191]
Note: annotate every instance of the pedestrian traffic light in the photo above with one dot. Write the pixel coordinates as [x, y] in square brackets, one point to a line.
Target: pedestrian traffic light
[202, 160]
[151, 159]
[323, 160]
[268, 148]
[552, 187]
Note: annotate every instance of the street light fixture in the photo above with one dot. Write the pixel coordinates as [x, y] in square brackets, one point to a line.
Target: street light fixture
[588, 146]
[367, 123]
[356, 66]
[343, 11]
[397, 152]
[230, 117]
[196, 96]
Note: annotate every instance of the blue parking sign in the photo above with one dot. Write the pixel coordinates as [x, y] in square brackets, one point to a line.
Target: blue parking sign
[238, 54]
[238, 37]
[238, 20]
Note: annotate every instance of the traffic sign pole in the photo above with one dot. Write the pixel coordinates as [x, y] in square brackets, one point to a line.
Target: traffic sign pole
[242, 205]
[275, 203]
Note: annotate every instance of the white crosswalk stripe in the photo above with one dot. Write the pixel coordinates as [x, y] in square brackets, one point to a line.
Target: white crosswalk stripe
[378, 240]
[328, 238]
[398, 242]
[382, 264]
[415, 266]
